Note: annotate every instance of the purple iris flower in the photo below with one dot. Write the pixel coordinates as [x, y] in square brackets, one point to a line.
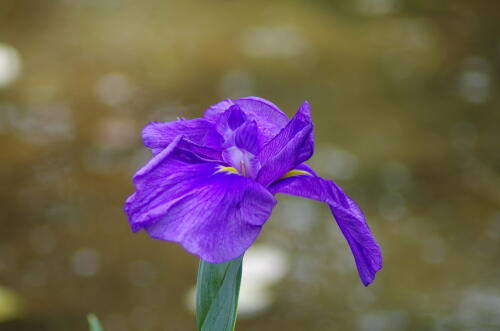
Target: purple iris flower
[211, 183]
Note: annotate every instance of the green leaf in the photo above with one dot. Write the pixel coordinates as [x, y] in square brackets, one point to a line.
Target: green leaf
[94, 323]
[218, 288]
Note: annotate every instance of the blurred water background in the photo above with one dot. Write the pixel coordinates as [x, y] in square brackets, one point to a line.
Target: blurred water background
[406, 101]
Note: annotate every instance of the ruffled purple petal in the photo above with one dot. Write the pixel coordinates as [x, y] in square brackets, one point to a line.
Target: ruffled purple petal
[219, 220]
[213, 214]
[269, 118]
[349, 217]
[292, 146]
[157, 135]
[197, 152]
[156, 187]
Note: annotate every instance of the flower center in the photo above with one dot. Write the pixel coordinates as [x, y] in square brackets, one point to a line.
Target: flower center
[242, 168]
[242, 160]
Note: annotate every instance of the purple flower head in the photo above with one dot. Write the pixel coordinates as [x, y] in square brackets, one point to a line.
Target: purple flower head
[211, 183]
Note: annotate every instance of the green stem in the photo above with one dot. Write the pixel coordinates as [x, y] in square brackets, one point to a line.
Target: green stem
[218, 288]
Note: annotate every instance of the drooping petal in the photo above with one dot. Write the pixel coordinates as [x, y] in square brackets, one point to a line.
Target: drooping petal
[157, 135]
[292, 146]
[211, 213]
[155, 183]
[269, 118]
[349, 217]
[219, 220]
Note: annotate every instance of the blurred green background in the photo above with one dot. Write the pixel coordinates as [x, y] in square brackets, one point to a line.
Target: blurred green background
[405, 98]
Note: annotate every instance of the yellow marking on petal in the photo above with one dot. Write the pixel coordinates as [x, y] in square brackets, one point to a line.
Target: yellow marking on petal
[295, 172]
[229, 170]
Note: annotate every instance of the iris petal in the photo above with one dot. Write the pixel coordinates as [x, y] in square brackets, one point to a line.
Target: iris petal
[269, 118]
[157, 135]
[155, 185]
[292, 146]
[246, 137]
[211, 214]
[236, 117]
[349, 217]
[219, 219]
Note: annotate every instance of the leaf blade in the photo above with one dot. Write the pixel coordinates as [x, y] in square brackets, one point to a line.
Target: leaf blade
[217, 295]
